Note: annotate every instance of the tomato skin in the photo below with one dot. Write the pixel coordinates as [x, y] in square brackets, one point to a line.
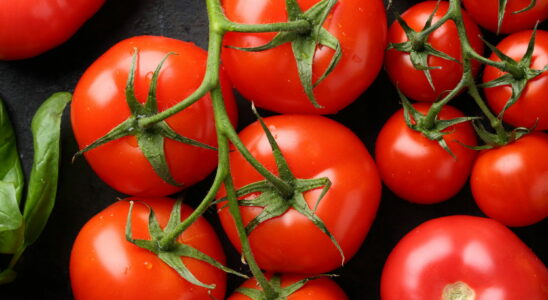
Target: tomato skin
[270, 78]
[104, 265]
[99, 104]
[314, 147]
[413, 82]
[322, 288]
[31, 27]
[485, 13]
[510, 183]
[480, 252]
[416, 168]
[533, 103]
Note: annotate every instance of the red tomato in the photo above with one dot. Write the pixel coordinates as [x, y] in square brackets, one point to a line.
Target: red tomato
[478, 255]
[485, 13]
[412, 82]
[532, 106]
[318, 289]
[510, 183]
[104, 265]
[99, 104]
[270, 78]
[314, 147]
[31, 27]
[416, 168]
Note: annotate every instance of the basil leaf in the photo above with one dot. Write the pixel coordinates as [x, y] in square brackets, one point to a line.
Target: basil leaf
[42, 187]
[10, 216]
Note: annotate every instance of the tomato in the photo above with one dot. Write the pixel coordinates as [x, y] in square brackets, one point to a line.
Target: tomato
[477, 255]
[510, 183]
[531, 108]
[99, 105]
[270, 78]
[31, 27]
[485, 13]
[318, 289]
[412, 82]
[104, 265]
[314, 147]
[418, 169]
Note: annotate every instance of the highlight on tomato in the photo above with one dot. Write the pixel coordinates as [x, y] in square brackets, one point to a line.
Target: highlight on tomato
[271, 79]
[301, 232]
[30, 27]
[463, 257]
[435, 67]
[163, 158]
[104, 265]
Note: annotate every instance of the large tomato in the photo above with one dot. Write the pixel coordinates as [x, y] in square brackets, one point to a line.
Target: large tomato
[270, 78]
[418, 169]
[104, 265]
[446, 75]
[463, 257]
[532, 107]
[99, 104]
[510, 183]
[314, 147]
[318, 289]
[485, 13]
[31, 27]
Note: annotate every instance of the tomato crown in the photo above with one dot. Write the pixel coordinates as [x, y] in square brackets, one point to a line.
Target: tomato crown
[276, 284]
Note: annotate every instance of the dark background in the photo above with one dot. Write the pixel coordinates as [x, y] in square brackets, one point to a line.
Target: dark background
[43, 270]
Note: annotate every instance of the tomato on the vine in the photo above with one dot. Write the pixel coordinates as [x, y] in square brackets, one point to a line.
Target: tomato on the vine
[485, 13]
[270, 78]
[104, 265]
[445, 73]
[31, 27]
[510, 183]
[99, 105]
[313, 147]
[531, 108]
[418, 169]
[463, 257]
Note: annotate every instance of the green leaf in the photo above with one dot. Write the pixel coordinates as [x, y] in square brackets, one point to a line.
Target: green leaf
[10, 166]
[10, 216]
[42, 187]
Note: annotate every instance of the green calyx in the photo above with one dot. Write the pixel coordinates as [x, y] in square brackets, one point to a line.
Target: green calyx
[304, 44]
[174, 251]
[502, 10]
[150, 138]
[282, 292]
[418, 47]
[493, 140]
[519, 72]
[276, 202]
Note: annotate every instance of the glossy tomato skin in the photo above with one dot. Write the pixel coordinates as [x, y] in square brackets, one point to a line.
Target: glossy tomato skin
[532, 107]
[485, 13]
[314, 147]
[104, 265]
[318, 289]
[480, 252]
[510, 183]
[270, 78]
[31, 27]
[413, 82]
[99, 104]
[416, 168]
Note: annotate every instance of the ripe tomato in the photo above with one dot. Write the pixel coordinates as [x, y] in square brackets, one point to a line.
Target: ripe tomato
[104, 265]
[99, 104]
[31, 27]
[485, 13]
[318, 289]
[532, 107]
[412, 82]
[270, 78]
[510, 183]
[314, 147]
[466, 254]
[416, 168]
